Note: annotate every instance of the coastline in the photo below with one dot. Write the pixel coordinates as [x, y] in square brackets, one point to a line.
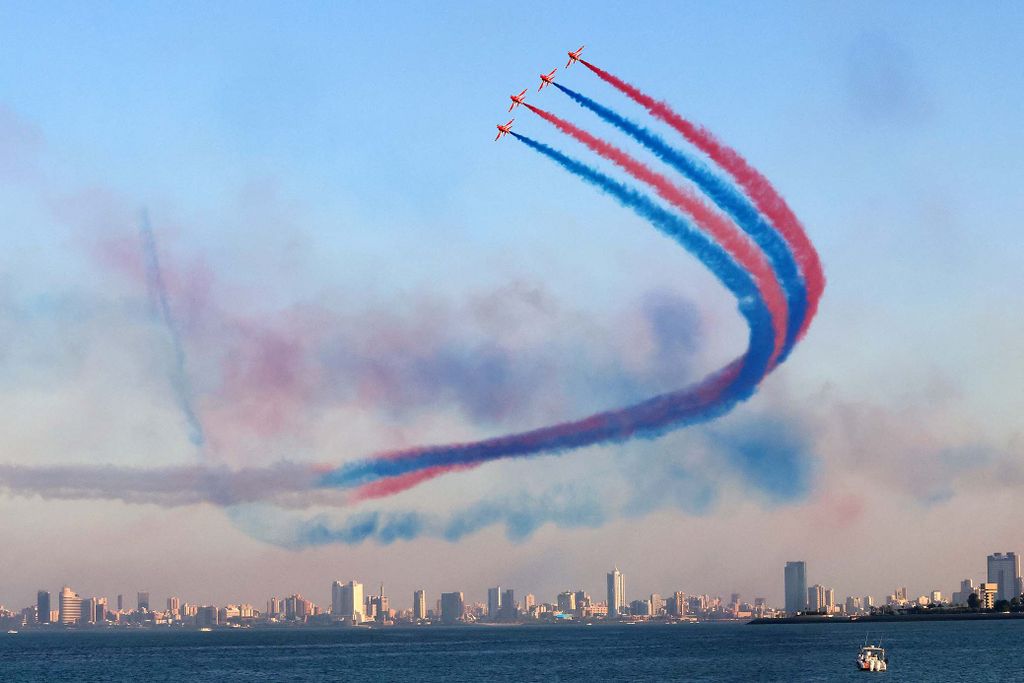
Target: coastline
[876, 618]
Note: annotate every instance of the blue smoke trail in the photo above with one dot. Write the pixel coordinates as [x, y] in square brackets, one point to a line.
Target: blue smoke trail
[649, 418]
[521, 517]
[728, 198]
[158, 294]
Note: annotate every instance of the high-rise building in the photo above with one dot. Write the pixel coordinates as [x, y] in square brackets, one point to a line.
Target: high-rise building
[336, 588]
[381, 606]
[961, 596]
[274, 606]
[677, 604]
[987, 593]
[143, 601]
[508, 605]
[452, 606]
[816, 598]
[347, 601]
[70, 606]
[43, 606]
[120, 602]
[89, 611]
[206, 616]
[566, 601]
[419, 605]
[1004, 570]
[796, 587]
[297, 608]
[640, 608]
[616, 593]
[658, 604]
[528, 602]
[494, 602]
[174, 607]
[853, 605]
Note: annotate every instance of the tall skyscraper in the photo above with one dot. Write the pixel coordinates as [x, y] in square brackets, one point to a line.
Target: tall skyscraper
[120, 602]
[174, 606]
[961, 596]
[452, 606]
[43, 606]
[70, 606]
[658, 604]
[616, 593]
[89, 611]
[796, 586]
[816, 596]
[206, 616]
[336, 588]
[567, 601]
[419, 605]
[508, 605]
[528, 602]
[494, 602]
[1004, 570]
[143, 601]
[830, 600]
[347, 601]
[678, 604]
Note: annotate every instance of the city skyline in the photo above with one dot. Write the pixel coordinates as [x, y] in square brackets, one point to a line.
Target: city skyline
[246, 257]
[347, 600]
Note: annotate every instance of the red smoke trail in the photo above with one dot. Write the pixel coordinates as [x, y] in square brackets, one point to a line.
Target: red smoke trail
[389, 487]
[757, 187]
[721, 229]
[698, 397]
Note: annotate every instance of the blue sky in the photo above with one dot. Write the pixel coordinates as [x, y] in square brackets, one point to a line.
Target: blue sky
[340, 154]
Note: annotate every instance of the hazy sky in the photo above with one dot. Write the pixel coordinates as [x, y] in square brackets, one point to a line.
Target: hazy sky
[352, 265]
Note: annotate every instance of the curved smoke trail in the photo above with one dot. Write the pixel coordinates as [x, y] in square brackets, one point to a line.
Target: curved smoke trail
[393, 472]
[716, 226]
[730, 200]
[757, 187]
[741, 271]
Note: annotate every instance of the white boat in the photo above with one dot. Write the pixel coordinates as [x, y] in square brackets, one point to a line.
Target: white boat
[872, 658]
[12, 631]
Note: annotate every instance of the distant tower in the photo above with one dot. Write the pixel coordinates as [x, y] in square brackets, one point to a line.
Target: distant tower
[43, 606]
[452, 607]
[494, 602]
[70, 605]
[616, 593]
[1005, 571]
[419, 605]
[351, 599]
[796, 587]
[508, 605]
[143, 601]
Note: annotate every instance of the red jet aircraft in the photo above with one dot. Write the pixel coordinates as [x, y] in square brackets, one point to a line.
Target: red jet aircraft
[516, 99]
[574, 56]
[504, 130]
[547, 79]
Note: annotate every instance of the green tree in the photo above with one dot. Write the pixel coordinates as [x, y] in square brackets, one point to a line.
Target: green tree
[972, 601]
[1001, 606]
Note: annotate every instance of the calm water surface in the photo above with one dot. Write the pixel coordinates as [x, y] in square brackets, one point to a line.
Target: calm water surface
[937, 651]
